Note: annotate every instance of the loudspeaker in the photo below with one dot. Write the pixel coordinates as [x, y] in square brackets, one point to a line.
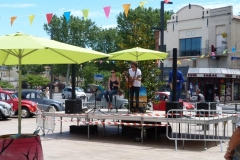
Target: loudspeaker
[174, 105]
[73, 106]
[93, 129]
[208, 107]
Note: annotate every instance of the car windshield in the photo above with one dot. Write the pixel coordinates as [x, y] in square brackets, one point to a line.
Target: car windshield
[14, 96]
[79, 89]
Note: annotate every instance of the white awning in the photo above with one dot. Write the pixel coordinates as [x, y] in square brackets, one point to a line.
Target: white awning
[214, 72]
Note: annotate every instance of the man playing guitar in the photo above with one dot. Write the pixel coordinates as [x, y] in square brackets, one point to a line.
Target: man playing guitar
[134, 75]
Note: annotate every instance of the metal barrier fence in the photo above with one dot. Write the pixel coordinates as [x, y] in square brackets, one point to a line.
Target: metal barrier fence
[91, 105]
[200, 125]
[46, 122]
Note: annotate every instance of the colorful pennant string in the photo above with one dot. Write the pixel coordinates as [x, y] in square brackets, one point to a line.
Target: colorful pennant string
[107, 10]
[126, 9]
[31, 18]
[13, 19]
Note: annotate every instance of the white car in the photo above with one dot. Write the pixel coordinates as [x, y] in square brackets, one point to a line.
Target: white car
[67, 93]
[5, 110]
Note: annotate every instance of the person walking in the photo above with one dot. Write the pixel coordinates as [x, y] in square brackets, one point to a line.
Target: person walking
[179, 80]
[134, 77]
[113, 86]
[200, 96]
[46, 92]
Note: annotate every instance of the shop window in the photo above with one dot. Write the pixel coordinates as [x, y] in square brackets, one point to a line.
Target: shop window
[190, 46]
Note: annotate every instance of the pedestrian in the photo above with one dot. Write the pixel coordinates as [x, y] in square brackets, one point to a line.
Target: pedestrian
[200, 96]
[134, 78]
[188, 95]
[233, 150]
[179, 80]
[113, 86]
[39, 89]
[46, 92]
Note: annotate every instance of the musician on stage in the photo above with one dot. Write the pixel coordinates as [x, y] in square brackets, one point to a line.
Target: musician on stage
[134, 78]
[113, 86]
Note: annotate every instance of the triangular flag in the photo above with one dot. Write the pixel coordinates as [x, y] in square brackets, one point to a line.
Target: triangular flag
[67, 16]
[107, 61]
[107, 10]
[49, 17]
[202, 56]
[95, 61]
[178, 62]
[225, 52]
[142, 4]
[126, 9]
[31, 17]
[224, 35]
[13, 19]
[100, 62]
[166, 1]
[213, 54]
[85, 13]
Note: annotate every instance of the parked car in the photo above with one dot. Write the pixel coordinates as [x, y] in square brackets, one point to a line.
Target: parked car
[29, 108]
[43, 102]
[67, 93]
[160, 99]
[5, 110]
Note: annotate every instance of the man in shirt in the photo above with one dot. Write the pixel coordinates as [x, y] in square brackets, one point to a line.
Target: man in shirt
[200, 96]
[233, 150]
[180, 80]
[136, 75]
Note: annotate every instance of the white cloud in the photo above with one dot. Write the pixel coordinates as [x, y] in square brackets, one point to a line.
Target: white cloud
[15, 5]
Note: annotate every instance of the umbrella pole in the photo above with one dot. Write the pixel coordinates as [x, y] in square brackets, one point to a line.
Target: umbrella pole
[19, 95]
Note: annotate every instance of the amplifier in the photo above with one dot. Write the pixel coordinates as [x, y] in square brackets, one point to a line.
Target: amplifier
[174, 105]
[73, 106]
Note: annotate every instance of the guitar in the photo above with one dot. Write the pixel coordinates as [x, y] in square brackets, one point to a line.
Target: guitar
[130, 80]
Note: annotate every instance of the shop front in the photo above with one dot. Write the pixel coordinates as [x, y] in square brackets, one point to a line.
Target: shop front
[220, 83]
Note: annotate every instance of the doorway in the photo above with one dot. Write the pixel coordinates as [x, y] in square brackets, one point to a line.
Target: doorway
[209, 93]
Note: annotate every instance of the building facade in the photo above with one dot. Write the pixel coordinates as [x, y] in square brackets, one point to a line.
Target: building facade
[208, 41]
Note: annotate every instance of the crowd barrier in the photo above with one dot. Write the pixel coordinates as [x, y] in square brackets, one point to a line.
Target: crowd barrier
[201, 125]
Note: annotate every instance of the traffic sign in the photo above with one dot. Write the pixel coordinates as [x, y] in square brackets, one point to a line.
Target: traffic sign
[233, 49]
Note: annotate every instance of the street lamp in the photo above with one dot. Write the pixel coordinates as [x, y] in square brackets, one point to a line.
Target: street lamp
[161, 29]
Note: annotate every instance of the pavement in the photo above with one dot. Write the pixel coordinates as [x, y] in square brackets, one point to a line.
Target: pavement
[112, 146]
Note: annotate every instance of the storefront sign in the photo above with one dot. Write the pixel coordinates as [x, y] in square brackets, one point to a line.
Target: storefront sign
[228, 75]
[210, 75]
[192, 75]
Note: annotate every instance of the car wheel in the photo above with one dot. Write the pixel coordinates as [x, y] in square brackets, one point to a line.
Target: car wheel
[52, 109]
[25, 113]
[63, 97]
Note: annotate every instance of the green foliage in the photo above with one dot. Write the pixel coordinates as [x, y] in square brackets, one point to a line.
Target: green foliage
[88, 71]
[32, 69]
[35, 80]
[5, 84]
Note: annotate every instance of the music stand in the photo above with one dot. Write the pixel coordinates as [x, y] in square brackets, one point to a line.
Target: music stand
[95, 88]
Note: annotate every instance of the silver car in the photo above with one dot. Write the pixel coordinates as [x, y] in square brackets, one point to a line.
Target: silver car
[5, 110]
[67, 93]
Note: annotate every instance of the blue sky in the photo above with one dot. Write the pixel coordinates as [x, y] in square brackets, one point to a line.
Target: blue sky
[23, 8]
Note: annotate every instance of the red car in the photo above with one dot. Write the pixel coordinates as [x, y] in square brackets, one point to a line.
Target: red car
[160, 99]
[29, 108]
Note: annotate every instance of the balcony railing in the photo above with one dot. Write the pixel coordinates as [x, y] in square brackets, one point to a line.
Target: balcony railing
[220, 51]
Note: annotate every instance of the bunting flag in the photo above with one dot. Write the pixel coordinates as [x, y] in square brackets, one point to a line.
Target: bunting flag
[13, 19]
[49, 17]
[178, 62]
[225, 52]
[166, 1]
[85, 13]
[67, 16]
[208, 55]
[126, 9]
[107, 61]
[142, 4]
[224, 34]
[31, 18]
[107, 10]
[100, 62]
[213, 54]
[202, 56]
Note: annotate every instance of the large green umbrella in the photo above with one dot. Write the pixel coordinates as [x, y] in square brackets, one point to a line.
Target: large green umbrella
[19, 48]
[138, 54]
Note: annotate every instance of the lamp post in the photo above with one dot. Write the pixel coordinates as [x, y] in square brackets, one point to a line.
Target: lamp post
[161, 29]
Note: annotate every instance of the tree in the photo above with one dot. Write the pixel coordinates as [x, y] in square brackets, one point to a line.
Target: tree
[88, 71]
[5, 84]
[35, 80]
[135, 31]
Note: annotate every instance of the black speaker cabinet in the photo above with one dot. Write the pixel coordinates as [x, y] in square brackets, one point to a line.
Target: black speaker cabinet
[73, 106]
[208, 107]
[174, 105]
